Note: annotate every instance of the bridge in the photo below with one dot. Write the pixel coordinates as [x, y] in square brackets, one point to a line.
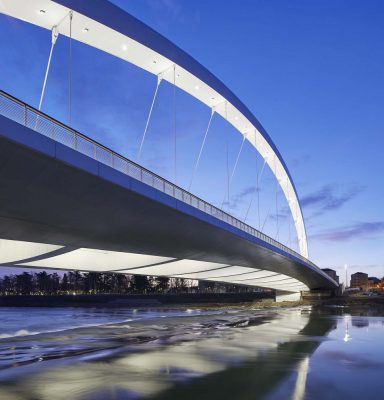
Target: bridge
[68, 202]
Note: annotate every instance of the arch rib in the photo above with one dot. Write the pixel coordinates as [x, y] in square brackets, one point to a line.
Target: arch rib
[110, 29]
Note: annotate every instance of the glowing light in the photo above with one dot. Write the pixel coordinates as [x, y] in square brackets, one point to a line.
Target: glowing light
[124, 47]
[347, 336]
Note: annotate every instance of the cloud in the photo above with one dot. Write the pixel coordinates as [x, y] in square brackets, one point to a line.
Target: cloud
[303, 160]
[231, 205]
[328, 198]
[244, 193]
[237, 199]
[279, 216]
[350, 232]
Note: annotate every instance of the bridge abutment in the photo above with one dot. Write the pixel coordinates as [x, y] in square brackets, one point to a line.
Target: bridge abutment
[287, 296]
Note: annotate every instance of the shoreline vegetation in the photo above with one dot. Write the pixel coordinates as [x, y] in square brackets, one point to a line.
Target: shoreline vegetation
[192, 300]
[109, 283]
[108, 290]
[103, 289]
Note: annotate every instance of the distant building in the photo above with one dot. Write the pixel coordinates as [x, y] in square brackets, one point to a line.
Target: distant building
[359, 280]
[373, 281]
[332, 273]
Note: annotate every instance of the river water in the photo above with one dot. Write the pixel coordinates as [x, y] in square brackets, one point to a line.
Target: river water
[238, 353]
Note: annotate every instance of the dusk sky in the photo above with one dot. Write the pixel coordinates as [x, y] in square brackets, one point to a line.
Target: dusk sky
[310, 71]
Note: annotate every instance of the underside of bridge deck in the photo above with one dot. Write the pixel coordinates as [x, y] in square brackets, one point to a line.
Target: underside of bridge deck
[93, 217]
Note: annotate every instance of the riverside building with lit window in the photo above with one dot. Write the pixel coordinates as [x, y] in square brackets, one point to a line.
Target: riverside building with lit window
[359, 280]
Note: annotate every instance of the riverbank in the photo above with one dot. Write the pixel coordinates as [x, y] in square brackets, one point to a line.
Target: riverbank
[359, 304]
[135, 300]
[356, 305]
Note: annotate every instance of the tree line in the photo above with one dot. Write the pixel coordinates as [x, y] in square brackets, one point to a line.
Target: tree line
[75, 282]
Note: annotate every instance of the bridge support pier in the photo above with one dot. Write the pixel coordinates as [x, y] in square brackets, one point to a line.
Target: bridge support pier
[318, 295]
[287, 296]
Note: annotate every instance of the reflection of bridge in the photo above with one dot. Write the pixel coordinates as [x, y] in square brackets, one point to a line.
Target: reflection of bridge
[250, 357]
[268, 363]
[68, 202]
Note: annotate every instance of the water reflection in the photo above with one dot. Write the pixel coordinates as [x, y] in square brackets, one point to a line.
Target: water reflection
[359, 322]
[347, 336]
[260, 374]
[242, 354]
[301, 380]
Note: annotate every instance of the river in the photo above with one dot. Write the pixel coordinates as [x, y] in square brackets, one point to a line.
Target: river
[235, 353]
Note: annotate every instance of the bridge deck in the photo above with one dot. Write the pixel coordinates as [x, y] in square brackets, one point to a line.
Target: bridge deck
[61, 189]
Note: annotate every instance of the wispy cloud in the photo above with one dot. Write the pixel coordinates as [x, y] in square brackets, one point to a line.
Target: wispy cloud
[282, 215]
[239, 198]
[249, 190]
[329, 198]
[303, 160]
[356, 231]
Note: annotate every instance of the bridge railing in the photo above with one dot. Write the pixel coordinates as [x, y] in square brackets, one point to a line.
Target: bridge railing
[30, 117]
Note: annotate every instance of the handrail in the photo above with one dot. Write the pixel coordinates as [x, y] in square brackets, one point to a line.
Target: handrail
[42, 123]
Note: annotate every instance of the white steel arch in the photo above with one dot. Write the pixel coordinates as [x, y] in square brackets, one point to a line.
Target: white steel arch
[49, 14]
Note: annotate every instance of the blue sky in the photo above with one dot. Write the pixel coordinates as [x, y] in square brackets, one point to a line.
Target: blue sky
[311, 72]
